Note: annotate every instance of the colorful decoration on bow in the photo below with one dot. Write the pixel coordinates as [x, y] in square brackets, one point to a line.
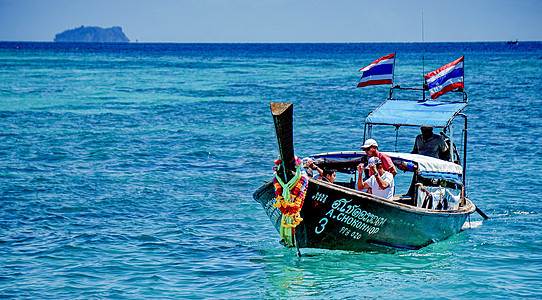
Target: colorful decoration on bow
[289, 199]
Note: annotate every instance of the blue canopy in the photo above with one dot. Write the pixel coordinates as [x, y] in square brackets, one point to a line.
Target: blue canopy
[429, 113]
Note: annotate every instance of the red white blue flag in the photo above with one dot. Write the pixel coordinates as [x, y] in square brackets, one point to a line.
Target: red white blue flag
[379, 72]
[445, 79]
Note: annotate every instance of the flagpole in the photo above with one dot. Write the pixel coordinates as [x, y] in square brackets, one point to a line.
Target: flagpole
[393, 71]
[463, 73]
[423, 48]
[423, 59]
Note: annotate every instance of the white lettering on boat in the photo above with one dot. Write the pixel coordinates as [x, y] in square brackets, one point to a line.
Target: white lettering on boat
[352, 216]
[322, 223]
[355, 218]
[320, 197]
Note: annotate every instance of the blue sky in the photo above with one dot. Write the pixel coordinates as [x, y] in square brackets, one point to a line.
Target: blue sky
[278, 20]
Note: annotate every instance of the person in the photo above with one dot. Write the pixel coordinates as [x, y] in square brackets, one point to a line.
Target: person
[381, 183]
[430, 144]
[329, 175]
[310, 167]
[371, 150]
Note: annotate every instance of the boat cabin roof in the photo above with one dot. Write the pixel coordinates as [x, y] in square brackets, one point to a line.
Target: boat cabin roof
[426, 166]
[422, 163]
[429, 113]
[427, 163]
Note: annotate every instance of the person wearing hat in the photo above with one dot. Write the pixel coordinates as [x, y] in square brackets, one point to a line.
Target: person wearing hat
[371, 150]
[429, 144]
[381, 183]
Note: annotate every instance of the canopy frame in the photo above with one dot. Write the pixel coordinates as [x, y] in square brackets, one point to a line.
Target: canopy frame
[419, 108]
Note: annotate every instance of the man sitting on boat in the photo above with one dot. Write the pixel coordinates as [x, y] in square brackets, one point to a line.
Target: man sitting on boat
[329, 175]
[381, 183]
[371, 150]
[430, 144]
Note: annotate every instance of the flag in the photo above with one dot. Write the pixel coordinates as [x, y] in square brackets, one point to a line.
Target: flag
[379, 72]
[445, 79]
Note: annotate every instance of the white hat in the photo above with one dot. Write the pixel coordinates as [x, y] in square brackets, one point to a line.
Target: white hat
[369, 143]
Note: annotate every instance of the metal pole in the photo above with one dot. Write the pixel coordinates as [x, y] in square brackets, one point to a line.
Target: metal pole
[364, 131]
[451, 144]
[393, 71]
[396, 136]
[423, 59]
[465, 154]
[464, 149]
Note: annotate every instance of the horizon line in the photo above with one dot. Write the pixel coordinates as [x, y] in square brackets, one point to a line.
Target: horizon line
[260, 42]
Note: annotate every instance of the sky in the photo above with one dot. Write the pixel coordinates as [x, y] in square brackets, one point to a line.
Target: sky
[278, 20]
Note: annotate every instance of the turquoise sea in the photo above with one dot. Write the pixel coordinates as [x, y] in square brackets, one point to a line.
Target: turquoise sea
[127, 170]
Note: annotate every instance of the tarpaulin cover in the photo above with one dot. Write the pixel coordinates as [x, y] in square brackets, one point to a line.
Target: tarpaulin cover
[428, 164]
[455, 178]
[415, 113]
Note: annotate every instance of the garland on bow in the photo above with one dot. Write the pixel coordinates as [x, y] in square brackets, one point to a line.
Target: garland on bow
[289, 199]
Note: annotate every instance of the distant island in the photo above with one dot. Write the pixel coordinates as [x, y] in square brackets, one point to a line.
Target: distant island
[93, 34]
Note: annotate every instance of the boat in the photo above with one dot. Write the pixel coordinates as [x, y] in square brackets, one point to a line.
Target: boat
[512, 42]
[337, 216]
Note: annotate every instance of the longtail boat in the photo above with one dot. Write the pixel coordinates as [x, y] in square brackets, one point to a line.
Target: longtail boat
[336, 215]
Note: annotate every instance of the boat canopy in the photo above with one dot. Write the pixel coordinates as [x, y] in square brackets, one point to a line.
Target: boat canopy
[429, 113]
[428, 167]
[428, 164]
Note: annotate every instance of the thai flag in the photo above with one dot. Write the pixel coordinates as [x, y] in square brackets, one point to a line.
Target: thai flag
[379, 72]
[445, 79]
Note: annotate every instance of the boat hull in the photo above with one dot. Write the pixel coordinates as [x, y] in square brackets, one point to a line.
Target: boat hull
[340, 218]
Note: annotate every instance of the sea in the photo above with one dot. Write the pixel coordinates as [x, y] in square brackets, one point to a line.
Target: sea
[127, 170]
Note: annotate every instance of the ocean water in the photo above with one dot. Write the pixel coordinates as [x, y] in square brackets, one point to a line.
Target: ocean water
[127, 170]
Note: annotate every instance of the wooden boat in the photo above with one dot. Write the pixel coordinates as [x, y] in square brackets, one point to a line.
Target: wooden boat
[337, 216]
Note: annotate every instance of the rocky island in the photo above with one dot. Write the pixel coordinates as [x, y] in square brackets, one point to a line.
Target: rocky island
[93, 34]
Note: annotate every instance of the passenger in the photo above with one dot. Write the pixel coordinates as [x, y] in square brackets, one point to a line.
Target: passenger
[371, 150]
[381, 184]
[329, 175]
[363, 173]
[310, 166]
[430, 144]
